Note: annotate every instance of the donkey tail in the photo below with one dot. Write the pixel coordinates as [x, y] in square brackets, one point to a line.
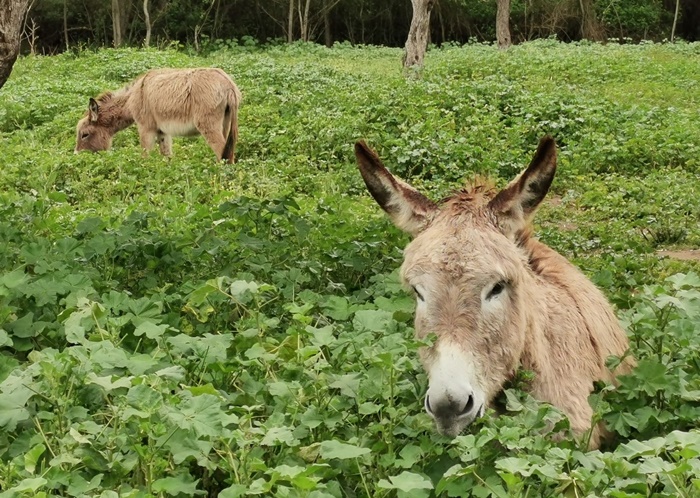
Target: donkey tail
[234, 100]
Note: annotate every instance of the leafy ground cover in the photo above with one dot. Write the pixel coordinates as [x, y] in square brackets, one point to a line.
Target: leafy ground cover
[178, 327]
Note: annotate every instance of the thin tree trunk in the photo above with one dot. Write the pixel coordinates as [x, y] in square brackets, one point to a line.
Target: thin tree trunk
[591, 28]
[11, 17]
[503, 23]
[417, 41]
[290, 22]
[675, 20]
[327, 35]
[147, 20]
[305, 22]
[116, 24]
[65, 22]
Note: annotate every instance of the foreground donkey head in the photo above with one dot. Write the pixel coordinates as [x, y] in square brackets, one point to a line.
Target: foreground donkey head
[496, 298]
[166, 103]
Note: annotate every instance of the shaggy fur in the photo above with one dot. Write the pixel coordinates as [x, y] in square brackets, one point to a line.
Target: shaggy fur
[498, 299]
[165, 103]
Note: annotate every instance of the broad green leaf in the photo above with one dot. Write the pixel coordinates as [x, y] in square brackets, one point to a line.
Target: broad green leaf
[174, 486]
[13, 402]
[79, 485]
[337, 307]
[336, 449]
[407, 482]
[201, 414]
[235, 491]
[4, 340]
[515, 465]
[149, 328]
[14, 278]
[372, 320]
[349, 384]
[32, 457]
[31, 484]
[144, 398]
[108, 383]
[278, 435]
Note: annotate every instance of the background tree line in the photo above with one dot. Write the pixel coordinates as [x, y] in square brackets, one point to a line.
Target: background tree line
[53, 25]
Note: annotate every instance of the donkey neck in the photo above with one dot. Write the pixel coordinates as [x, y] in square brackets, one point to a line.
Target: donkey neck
[116, 112]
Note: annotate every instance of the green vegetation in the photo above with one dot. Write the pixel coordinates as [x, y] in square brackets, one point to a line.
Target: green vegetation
[178, 327]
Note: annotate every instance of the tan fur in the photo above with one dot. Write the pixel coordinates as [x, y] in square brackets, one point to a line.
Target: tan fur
[165, 103]
[549, 319]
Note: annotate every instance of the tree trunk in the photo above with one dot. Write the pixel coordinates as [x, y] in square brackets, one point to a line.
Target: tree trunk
[327, 34]
[147, 20]
[11, 17]
[304, 21]
[65, 22]
[116, 24]
[417, 41]
[675, 20]
[591, 28]
[290, 22]
[503, 23]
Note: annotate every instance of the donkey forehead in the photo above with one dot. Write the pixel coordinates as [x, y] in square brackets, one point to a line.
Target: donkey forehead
[464, 249]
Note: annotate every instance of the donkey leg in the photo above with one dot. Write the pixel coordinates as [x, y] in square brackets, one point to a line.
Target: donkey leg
[147, 138]
[215, 139]
[165, 143]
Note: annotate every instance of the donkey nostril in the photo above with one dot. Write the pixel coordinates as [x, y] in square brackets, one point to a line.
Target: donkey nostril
[468, 407]
[427, 405]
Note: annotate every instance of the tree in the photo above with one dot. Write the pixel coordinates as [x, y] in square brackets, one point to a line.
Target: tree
[417, 41]
[120, 21]
[147, 21]
[11, 18]
[503, 23]
[591, 28]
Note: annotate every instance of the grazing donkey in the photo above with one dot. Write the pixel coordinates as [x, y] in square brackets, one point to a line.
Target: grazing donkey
[166, 103]
[496, 298]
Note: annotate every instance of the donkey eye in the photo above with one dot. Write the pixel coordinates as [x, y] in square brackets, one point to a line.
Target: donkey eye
[418, 294]
[496, 289]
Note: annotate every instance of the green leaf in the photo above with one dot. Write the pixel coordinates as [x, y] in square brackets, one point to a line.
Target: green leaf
[108, 383]
[349, 384]
[235, 491]
[342, 451]
[32, 484]
[79, 486]
[277, 435]
[14, 278]
[407, 482]
[337, 307]
[144, 398]
[515, 465]
[174, 486]
[372, 320]
[149, 328]
[13, 402]
[32, 457]
[201, 414]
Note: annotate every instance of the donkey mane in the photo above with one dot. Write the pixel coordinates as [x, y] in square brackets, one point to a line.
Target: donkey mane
[475, 194]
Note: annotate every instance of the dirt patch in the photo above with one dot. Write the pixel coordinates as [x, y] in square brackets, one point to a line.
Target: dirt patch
[554, 200]
[567, 226]
[683, 255]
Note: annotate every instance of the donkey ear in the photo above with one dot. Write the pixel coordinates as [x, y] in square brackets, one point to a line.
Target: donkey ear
[93, 109]
[516, 204]
[410, 210]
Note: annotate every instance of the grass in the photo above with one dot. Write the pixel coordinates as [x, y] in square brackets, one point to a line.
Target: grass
[178, 327]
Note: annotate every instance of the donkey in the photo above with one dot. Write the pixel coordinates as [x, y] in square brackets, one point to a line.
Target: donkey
[496, 298]
[166, 103]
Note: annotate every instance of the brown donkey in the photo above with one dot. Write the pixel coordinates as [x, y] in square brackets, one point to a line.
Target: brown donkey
[496, 298]
[166, 103]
